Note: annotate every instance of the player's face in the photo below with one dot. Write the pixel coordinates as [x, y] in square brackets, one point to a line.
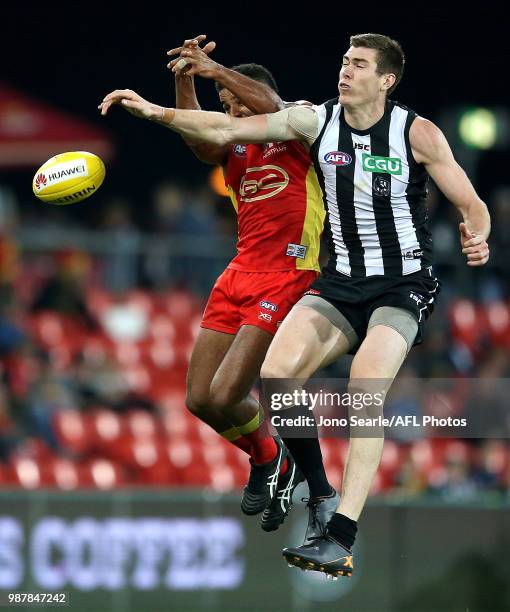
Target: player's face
[232, 105]
[359, 82]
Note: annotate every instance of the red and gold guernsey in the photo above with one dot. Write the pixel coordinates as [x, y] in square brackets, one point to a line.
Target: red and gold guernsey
[279, 205]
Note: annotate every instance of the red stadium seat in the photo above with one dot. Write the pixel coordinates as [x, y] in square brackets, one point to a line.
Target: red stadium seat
[162, 328]
[73, 429]
[141, 424]
[66, 475]
[467, 322]
[108, 428]
[498, 323]
[104, 474]
[29, 474]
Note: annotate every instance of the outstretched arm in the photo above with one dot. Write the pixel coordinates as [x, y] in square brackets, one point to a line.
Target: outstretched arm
[186, 98]
[297, 123]
[431, 148]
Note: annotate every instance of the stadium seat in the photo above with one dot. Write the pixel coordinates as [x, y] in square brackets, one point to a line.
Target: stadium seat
[66, 474]
[142, 424]
[28, 473]
[467, 322]
[73, 430]
[108, 428]
[104, 474]
[498, 323]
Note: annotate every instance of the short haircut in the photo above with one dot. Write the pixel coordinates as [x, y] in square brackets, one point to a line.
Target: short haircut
[390, 56]
[255, 72]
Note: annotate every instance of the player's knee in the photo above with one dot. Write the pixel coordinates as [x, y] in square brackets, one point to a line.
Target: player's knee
[272, 369]
[196, 403]
[224, 396]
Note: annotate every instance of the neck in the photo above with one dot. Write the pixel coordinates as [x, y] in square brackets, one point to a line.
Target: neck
[365, 116]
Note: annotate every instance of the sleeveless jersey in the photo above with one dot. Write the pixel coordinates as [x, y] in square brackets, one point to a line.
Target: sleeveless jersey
[375, 194]
[276, 194]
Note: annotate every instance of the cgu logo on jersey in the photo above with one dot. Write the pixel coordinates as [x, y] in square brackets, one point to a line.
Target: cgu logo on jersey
[239, 150]
[337, 158]
[262, 182]
[389, 165]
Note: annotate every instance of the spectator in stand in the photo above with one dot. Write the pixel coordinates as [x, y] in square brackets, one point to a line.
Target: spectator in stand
[8, 430]
[50, 390]
[65, 292]
[9, 268]
[121, 261]
[99, 381]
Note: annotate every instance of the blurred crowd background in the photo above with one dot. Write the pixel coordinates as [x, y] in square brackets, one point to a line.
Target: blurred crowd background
[98, 319]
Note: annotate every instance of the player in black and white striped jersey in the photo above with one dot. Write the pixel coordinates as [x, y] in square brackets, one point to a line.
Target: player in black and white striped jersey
[374, 296]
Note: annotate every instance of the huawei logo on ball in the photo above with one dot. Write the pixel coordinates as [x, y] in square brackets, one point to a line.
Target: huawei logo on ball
[40, 181]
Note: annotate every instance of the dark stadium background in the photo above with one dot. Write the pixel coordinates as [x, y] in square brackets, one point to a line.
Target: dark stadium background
[72, 57]
[426, 545]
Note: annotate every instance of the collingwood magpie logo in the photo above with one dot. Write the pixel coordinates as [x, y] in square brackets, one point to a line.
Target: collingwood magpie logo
[381, 185]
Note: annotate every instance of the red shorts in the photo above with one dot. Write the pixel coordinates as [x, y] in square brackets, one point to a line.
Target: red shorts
[262, 299]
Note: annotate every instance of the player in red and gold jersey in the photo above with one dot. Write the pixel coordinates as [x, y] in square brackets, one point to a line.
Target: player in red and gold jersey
[276, 194]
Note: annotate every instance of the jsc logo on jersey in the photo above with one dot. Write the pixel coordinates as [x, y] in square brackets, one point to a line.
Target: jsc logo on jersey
[389, 165]
[338, 158]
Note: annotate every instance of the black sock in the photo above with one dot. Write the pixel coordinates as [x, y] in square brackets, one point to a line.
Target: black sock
[308, 457]
[305, 450]
[343, 529]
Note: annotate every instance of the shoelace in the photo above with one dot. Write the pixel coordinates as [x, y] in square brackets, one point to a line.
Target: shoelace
[313, 504]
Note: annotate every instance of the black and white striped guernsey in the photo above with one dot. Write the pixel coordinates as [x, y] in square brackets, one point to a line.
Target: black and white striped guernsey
[374, 194]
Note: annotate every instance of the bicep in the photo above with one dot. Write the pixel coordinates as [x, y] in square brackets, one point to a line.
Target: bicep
[431, 148]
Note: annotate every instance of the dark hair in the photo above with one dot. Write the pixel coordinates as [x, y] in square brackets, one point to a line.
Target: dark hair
[255, 72]
[390, 56]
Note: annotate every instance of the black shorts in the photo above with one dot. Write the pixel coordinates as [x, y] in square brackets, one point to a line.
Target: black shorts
[357, 298]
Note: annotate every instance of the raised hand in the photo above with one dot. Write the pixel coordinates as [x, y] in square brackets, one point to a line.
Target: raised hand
[475, 247]
[132, 102]
[193, 59]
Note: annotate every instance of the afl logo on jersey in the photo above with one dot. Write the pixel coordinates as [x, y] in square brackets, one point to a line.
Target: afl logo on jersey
[239, 150]
[337, 158]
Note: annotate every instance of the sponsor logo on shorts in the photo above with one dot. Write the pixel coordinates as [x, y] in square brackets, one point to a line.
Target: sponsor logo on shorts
[265, 316]
[338, 158]
[416, 297]
[262, 182]
[389, 165]
[296, 250]
[312, 292]
[239, 150]
[269, 306]
[381, 185]
[415, 254]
